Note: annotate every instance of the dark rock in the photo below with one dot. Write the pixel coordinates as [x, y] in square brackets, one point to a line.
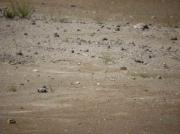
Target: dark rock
[44, 89]
[72, 51]
[109, 47]
[22, 84]
[78, 30]
[123, 68]
[73, 5]
[43, 3]
[105, 39]
[26, 34]
[139, 61]
[123, 49]
[19, 53]
[36, 53]
[141, 26]
[11, 121]
[56, 35]
[174, 38]
[33, 23]
[159, 77]
[87, 50]
[117, 28]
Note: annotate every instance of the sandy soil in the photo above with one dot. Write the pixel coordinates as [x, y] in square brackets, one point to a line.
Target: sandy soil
[108, 77]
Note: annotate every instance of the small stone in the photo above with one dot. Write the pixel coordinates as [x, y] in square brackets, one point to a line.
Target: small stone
[73, 5]
[87, 50]
[105, 39]
[44, 89]
[117, 29]
[165, 66]
[98, 84]
[11, 121]
[33, 23]
[139, 61]
[77, 82]
[123, 68]
[25, 34]
[109, 47]
[19, 53]
[133, 78]
[174, 38]
[56, 35]
[72, 51]
[35, 70]
[159, 77]
[22, 84]
[36, 53]
[141, 26]
[123, 49]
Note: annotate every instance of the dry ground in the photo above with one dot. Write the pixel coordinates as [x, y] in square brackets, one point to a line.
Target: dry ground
[102, 77]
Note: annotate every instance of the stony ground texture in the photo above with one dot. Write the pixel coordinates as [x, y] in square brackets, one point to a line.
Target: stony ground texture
[81, 76]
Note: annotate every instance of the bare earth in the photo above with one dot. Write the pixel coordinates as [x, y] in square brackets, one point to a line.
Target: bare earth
[103, 76]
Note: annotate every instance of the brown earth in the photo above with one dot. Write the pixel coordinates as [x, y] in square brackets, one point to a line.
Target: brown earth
[103, 74]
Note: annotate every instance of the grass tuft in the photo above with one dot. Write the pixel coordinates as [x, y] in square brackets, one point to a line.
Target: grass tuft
[20, 8]
[9, 13]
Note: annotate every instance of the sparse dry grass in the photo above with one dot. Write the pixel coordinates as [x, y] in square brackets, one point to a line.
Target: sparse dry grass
[20, 8]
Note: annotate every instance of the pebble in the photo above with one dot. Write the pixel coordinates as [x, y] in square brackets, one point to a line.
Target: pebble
[139, 61]
[77, 82]
[159, 77]
[87, 50]
[44, 89]
[56, 35]
[141, 26]
[72, 51]
[11, 121]
[98, 84]
[105, 39]
[174, 38]
[123, 68]
[19, 53]
[25, 34]
[117, 29]
[35, 70]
